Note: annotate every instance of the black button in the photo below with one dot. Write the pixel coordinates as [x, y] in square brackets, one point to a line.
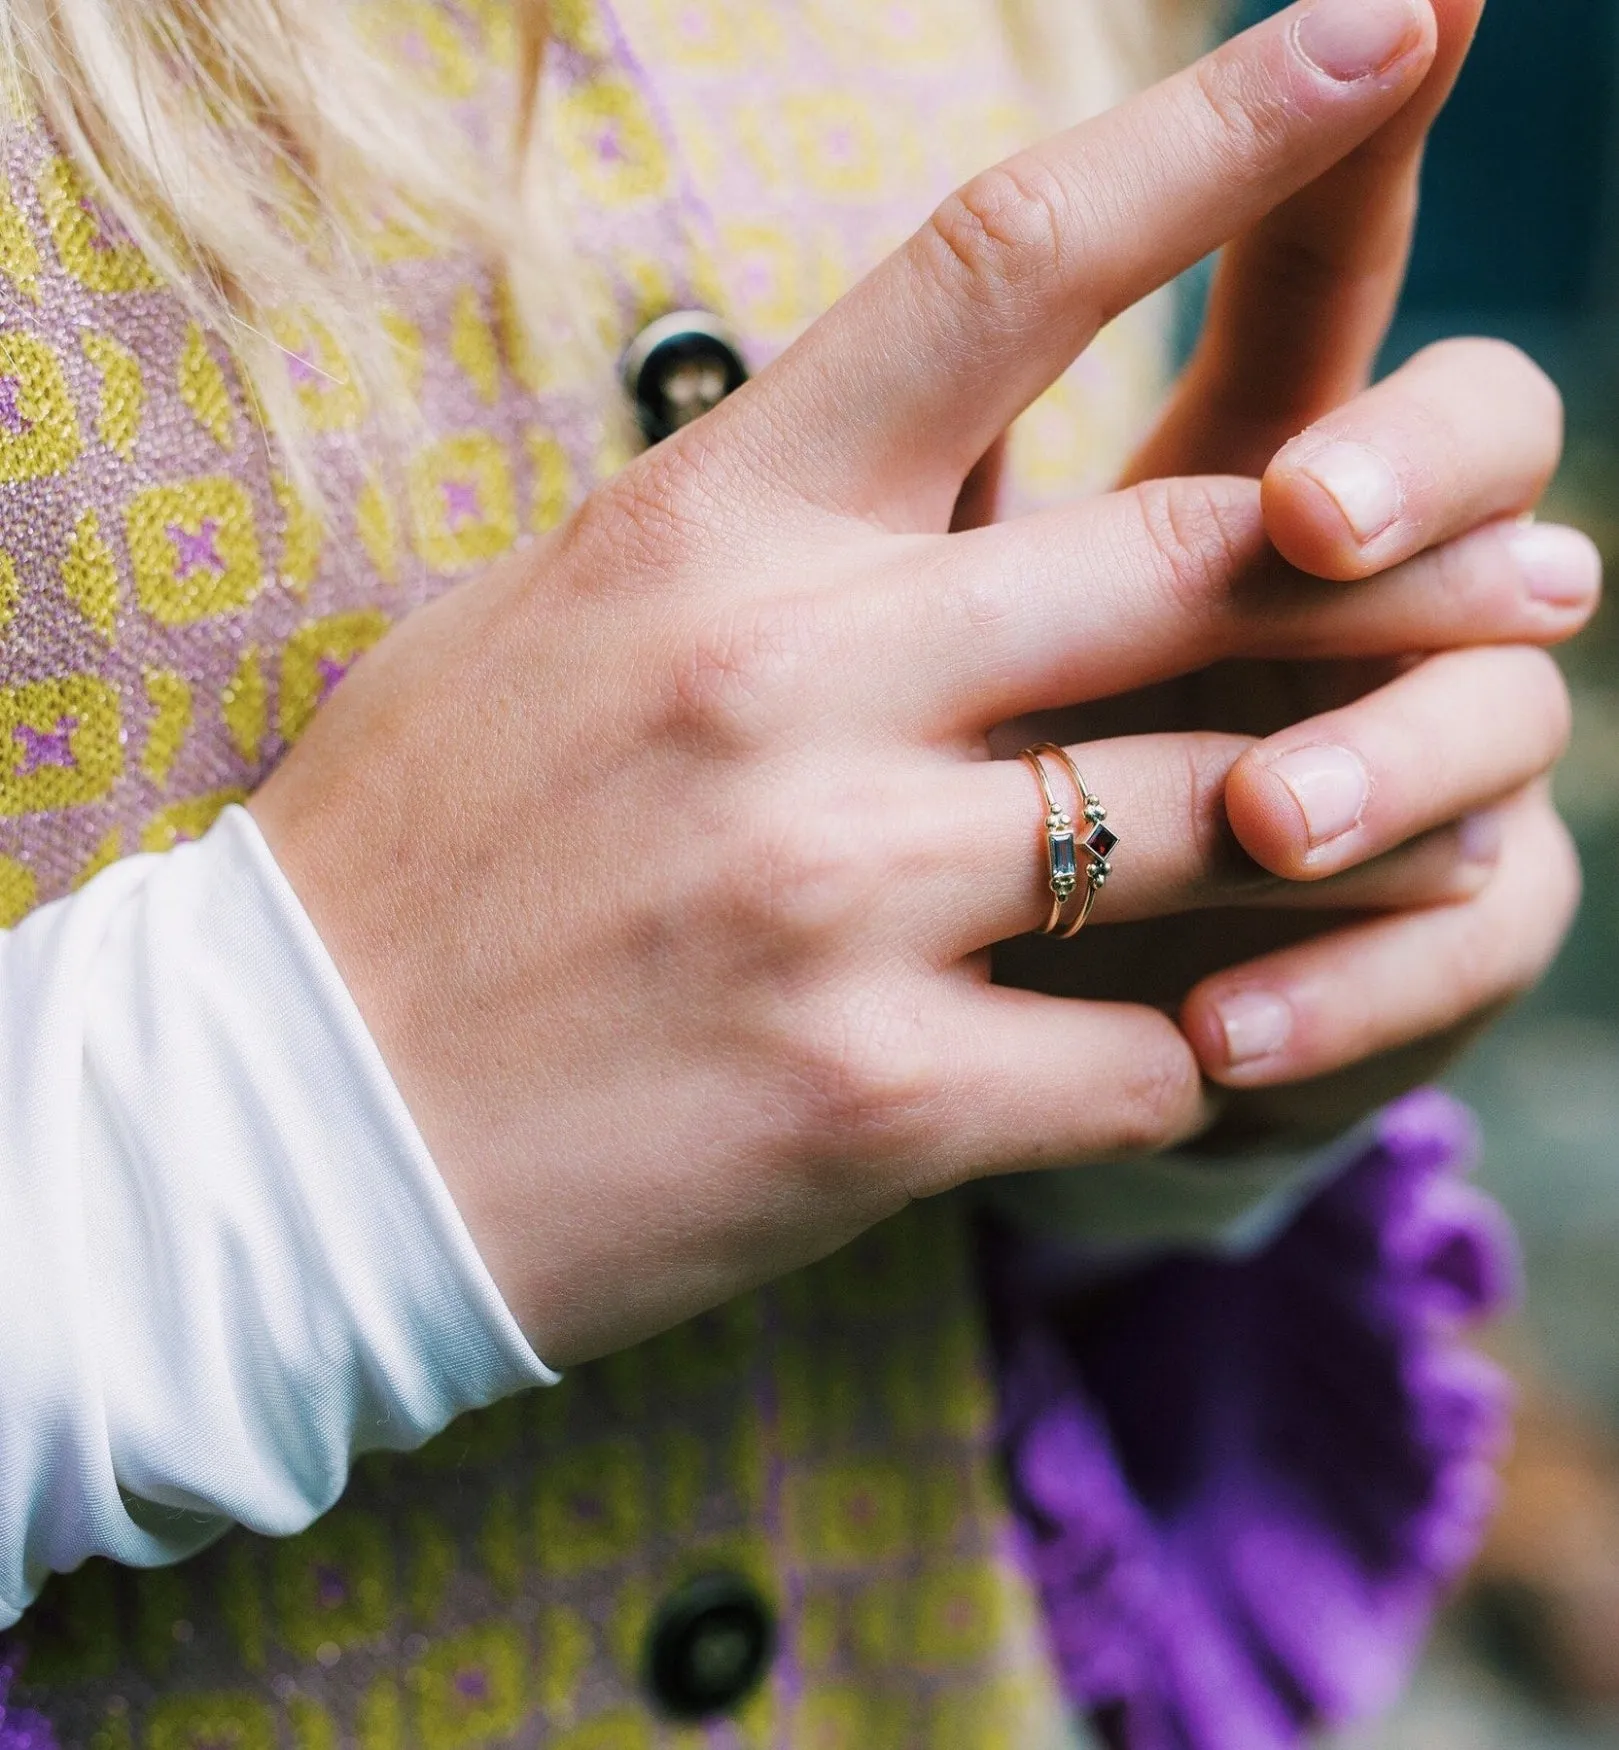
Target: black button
[679, 367]
[711, 1644]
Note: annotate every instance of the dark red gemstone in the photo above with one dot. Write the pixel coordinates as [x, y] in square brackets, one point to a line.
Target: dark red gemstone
[1101, 841]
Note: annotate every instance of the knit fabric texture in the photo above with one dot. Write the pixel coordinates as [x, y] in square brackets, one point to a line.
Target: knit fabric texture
[172, 617]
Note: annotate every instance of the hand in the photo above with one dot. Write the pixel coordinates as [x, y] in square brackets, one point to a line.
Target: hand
[661, 860]
[1469, 433]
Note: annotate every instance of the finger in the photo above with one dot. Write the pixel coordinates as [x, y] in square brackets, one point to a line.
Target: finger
[1468, 430]
[1103, 598]
[886, 404]
[986, 879]
[1380, 985]
[1450, 864]
[1041, 1082]
[1302, 301]
[1458, 731]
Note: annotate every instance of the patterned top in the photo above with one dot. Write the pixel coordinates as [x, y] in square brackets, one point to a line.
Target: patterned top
[171, 616]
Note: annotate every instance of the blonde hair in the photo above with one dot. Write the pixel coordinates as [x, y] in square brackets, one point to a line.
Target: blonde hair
[250, 147]
[257, 151]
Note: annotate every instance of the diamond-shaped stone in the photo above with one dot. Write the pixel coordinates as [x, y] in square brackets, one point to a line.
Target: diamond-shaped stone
[1100, 842]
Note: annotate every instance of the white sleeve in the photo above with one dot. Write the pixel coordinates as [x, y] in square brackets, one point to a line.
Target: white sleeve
[227, 1262]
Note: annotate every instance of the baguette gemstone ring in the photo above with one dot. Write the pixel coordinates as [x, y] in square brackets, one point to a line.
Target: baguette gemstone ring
[1067, 845]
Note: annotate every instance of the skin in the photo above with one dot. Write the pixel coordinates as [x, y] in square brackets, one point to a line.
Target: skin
[663, 861]
[1472, 431]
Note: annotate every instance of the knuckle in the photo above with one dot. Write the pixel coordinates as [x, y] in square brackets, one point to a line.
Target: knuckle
[1241, 121]
[1480, 974]
[1198, 544]
[1156, 1100]
[865, 1076]
[737, 679]
[659, 514]
[965, 609]
[1004, 227]
[796, 878]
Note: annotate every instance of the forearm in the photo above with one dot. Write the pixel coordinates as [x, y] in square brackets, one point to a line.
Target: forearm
[227, 1263]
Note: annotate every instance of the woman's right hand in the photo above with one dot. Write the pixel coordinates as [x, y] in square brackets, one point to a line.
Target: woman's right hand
[661, 860]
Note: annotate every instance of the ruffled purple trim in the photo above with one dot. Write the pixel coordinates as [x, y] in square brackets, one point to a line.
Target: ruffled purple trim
[1246, 1484]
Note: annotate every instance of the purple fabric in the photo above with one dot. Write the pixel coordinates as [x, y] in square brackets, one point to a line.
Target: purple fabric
[1246, 1484]
[20, 1727]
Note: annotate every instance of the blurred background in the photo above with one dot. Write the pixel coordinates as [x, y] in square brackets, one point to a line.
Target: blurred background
[1520, 237]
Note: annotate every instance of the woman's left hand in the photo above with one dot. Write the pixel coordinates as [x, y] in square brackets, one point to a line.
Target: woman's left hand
[1310, 1020]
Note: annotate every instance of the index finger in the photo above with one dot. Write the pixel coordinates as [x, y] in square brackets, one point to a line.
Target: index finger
[1302, 302]
[889, 400]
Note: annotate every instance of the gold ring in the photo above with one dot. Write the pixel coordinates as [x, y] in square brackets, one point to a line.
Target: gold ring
[1064, 844]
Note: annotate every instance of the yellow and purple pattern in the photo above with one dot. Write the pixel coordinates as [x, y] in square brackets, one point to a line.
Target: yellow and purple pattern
[171, 618]
[498, 1587]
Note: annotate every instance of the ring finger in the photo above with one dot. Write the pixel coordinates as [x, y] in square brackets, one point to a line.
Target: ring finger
[987, 878]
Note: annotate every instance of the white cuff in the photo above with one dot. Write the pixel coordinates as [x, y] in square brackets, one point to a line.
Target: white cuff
[227, 1262]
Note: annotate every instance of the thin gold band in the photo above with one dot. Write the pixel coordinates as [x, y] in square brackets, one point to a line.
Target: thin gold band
[1065, 845]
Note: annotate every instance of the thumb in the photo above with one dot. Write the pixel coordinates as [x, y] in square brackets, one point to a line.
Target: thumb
[1303, 300]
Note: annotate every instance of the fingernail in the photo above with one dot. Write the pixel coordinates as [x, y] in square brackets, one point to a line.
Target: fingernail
[1479, 837]
[1560, 566]
[1362, 485]
[1256, 1024]
[1330, 786]
[1353, 39]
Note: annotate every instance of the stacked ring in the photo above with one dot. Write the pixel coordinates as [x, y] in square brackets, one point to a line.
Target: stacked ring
[1064, 845]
